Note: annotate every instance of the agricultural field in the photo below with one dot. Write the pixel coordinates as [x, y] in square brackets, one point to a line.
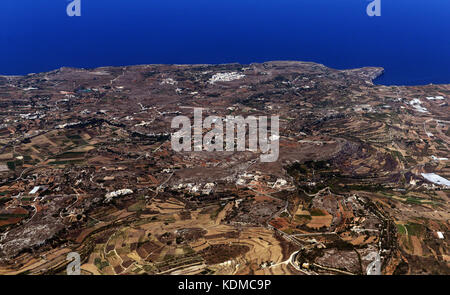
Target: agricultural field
[87, 166]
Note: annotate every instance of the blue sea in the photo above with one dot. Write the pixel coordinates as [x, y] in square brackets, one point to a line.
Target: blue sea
[411, 38]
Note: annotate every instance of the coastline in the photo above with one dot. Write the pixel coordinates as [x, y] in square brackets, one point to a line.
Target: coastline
[374, 77]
